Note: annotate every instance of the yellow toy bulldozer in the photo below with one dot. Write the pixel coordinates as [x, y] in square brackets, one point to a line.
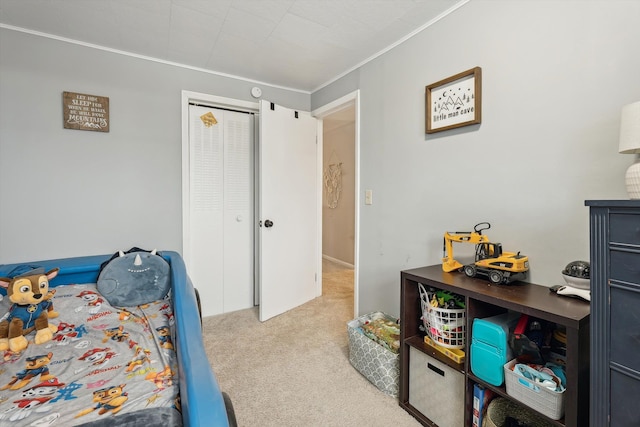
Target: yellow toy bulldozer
[490, 260]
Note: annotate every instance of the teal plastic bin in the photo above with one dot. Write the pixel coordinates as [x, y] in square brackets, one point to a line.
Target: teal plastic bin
[490, 347]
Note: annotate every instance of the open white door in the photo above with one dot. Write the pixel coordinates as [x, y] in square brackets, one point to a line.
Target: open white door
[288, 209]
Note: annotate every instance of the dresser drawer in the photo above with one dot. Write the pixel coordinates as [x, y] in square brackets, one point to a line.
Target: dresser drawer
[625, 327]
[625, 266]
[625, 411]
[624, 228]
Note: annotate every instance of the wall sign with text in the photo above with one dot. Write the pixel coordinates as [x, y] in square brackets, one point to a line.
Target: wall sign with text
[85, 112]
[454, 102]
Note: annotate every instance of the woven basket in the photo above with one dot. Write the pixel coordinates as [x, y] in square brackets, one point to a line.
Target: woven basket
[500, 408]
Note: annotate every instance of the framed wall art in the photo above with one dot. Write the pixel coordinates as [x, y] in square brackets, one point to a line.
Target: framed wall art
[454, 102]
[85, 112]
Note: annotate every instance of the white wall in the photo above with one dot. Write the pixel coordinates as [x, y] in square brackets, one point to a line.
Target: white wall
[555, 76]
[67, 192]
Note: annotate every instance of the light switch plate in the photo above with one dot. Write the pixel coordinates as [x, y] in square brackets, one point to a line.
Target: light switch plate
[368, 197]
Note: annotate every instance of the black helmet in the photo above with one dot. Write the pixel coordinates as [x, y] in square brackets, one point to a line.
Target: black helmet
[578, 269]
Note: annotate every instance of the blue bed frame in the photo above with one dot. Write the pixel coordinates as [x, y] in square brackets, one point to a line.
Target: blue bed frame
[203, 403]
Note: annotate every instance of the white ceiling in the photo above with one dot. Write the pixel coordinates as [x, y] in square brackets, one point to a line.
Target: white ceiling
[296, 44]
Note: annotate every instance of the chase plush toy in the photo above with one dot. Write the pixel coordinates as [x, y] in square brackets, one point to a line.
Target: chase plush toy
[31, 309]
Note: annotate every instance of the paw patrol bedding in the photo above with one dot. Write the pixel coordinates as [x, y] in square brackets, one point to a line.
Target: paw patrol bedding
[102, 362]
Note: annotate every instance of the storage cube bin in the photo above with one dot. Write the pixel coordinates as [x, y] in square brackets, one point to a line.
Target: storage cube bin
[500, 408]
[436, 390]
[535, 396]
[378, 364]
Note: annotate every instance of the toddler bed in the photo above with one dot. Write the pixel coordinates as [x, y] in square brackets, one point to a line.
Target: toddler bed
[144, 364]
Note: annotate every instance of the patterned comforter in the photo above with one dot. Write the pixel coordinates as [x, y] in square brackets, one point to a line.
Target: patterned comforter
[102, 361]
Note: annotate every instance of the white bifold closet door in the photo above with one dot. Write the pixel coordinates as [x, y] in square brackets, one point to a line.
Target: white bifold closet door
[221, 206]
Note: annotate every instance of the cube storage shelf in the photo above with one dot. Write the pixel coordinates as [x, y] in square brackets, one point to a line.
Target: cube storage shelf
[483, 299]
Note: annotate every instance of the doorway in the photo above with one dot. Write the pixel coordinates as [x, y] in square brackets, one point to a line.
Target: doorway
[340, 200]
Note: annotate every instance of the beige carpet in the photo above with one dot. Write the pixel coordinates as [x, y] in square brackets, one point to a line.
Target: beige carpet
[293, 370]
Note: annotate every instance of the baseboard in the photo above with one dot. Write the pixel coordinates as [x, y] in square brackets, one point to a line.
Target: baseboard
[337, 261]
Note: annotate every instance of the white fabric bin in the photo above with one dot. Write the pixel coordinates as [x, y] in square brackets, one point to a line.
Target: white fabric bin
[436, 389]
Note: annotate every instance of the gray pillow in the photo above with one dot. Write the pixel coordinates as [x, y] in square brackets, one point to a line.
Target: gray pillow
[134, 279]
